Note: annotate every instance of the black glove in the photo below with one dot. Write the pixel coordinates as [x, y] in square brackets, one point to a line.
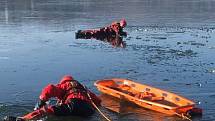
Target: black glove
[39, 104]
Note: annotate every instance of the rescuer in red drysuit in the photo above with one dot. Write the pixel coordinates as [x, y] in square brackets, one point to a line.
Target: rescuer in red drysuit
[115, 29]
[73, 99]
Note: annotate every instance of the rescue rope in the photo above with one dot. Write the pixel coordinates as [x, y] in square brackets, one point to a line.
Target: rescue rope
[183, 116]
[95, 106]
[98, 108]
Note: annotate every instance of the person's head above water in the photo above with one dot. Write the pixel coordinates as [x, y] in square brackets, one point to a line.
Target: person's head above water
[123, 23]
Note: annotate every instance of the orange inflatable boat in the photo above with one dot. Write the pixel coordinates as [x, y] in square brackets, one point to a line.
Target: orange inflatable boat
[148, 97]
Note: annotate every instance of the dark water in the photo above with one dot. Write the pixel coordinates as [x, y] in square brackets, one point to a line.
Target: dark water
[171, 45]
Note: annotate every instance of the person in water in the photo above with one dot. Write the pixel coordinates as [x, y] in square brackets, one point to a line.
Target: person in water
[112, 33]
[73, 99]
[114, 29]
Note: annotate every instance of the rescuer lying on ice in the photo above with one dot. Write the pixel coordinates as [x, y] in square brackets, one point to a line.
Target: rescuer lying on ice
[73, 99]
[112, 33]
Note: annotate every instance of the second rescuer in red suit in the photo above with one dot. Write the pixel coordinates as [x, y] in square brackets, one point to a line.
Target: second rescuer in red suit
[113, 30]
[112, 33]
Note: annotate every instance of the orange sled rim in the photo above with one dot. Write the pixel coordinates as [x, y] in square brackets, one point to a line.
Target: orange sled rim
[145, 96]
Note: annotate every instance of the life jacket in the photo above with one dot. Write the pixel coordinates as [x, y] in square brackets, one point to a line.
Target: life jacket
[77, 91]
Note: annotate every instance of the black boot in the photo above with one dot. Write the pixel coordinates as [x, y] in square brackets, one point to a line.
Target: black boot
[12, 118]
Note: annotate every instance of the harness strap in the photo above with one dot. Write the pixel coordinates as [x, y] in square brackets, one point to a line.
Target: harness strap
[75, 89]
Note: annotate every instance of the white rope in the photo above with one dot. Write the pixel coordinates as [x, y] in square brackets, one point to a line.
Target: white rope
[98, 108]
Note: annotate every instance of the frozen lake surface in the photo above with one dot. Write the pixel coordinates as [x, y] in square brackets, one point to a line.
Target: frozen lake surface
[170, 45]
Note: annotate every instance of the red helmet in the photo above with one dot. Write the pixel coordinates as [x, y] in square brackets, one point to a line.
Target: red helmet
[123, 23]
[66, 78]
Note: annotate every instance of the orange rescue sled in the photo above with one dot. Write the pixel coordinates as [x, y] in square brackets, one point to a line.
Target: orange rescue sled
[147, 96]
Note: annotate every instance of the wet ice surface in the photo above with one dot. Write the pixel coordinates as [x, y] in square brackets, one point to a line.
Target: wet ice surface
[172, 50]
[183, 62]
